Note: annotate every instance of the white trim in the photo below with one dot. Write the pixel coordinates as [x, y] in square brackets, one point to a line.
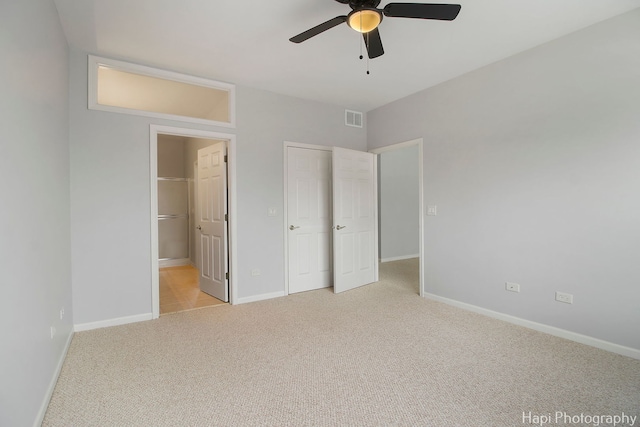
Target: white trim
[52, 384]
[419, 142]
[112, 322]
[397, 146]
[230, 139]
[261, 297]
[285, 208]
[153, 188]
[551, 330]
[285, 214]
[307, 146]
[92, 102]
[376, 219]
[174, 262]
[232, 207]
[400, 258]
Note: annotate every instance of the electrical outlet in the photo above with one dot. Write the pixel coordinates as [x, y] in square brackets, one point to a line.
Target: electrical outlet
[272, 211]
[432, 210]
[564, 297]
[61, 313]
[513, 287]
[53, 332]
[255, 272]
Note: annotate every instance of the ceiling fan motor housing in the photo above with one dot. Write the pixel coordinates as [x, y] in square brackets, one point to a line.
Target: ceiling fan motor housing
[364, 19]
[359, 4]
[356, 4]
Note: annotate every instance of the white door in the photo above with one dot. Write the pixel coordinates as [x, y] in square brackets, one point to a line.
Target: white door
[309, 216]
[354, 219]
[212, 220]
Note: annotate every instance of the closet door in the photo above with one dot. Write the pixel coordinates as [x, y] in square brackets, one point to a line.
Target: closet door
[354, 219]
[309, 215]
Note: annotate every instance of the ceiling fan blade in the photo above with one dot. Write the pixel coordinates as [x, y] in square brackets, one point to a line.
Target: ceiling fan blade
[374, 43]
[318, 29]
[443, 12]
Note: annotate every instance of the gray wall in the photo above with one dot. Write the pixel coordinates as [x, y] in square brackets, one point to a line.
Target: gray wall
[399, 203]
[110, 231]
[171, 152]
[534, 165]
[34, 217]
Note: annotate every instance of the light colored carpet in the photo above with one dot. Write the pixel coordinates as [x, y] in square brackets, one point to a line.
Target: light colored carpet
[375, 356]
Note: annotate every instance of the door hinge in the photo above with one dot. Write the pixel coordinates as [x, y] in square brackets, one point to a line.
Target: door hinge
[226, 217]
[226, 275]
[226, 158]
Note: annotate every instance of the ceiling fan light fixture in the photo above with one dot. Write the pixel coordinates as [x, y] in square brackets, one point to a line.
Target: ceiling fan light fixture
[364, 20]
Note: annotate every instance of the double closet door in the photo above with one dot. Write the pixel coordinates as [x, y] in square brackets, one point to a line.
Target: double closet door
[331, 214]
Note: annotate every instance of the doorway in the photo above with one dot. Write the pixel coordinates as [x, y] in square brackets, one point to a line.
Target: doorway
[401, 186]
[180, 290]
[179, 245]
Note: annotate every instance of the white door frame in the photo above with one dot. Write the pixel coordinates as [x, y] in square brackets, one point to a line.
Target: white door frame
[419, 143]
[288, 144]
[154, 130]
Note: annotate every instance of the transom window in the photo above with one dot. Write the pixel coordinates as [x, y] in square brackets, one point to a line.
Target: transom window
[135, 89]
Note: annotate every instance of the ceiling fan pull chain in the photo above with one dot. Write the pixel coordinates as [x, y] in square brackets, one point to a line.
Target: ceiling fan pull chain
[368, 44]
[361, 40]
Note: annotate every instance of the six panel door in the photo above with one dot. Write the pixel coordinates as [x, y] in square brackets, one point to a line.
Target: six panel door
[354, 218]
[212, 209]
[309, 215]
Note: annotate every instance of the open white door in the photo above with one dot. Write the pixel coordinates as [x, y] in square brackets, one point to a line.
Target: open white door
[212, 221]
[354, 219]
[309, 216]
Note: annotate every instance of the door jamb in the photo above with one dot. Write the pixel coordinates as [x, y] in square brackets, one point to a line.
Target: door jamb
[230, 139]
[286, 146]
[419, 142]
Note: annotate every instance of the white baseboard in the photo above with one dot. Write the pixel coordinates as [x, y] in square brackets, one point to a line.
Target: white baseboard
[52, 384]
[399, 258]
[260, 297]
[112, 322]
[174, 262]
[551, 330]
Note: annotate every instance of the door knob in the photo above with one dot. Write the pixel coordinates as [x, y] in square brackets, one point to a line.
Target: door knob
[199, 228]
[293, 227]
[340, 227]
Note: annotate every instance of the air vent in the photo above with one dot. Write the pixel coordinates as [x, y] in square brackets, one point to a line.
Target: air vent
[353, 118]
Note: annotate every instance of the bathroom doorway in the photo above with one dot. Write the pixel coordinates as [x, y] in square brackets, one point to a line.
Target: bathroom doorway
[185, 257]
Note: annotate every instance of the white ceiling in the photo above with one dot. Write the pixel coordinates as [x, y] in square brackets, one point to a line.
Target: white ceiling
[247, 42]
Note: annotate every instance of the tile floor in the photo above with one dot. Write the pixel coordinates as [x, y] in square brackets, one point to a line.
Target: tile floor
[179, 290]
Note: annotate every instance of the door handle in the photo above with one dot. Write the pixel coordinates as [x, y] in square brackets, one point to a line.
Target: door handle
[340, 227]
[293, 227]
[199, 228]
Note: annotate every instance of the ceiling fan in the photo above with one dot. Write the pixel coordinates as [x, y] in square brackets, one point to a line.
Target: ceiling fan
[365, 18]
